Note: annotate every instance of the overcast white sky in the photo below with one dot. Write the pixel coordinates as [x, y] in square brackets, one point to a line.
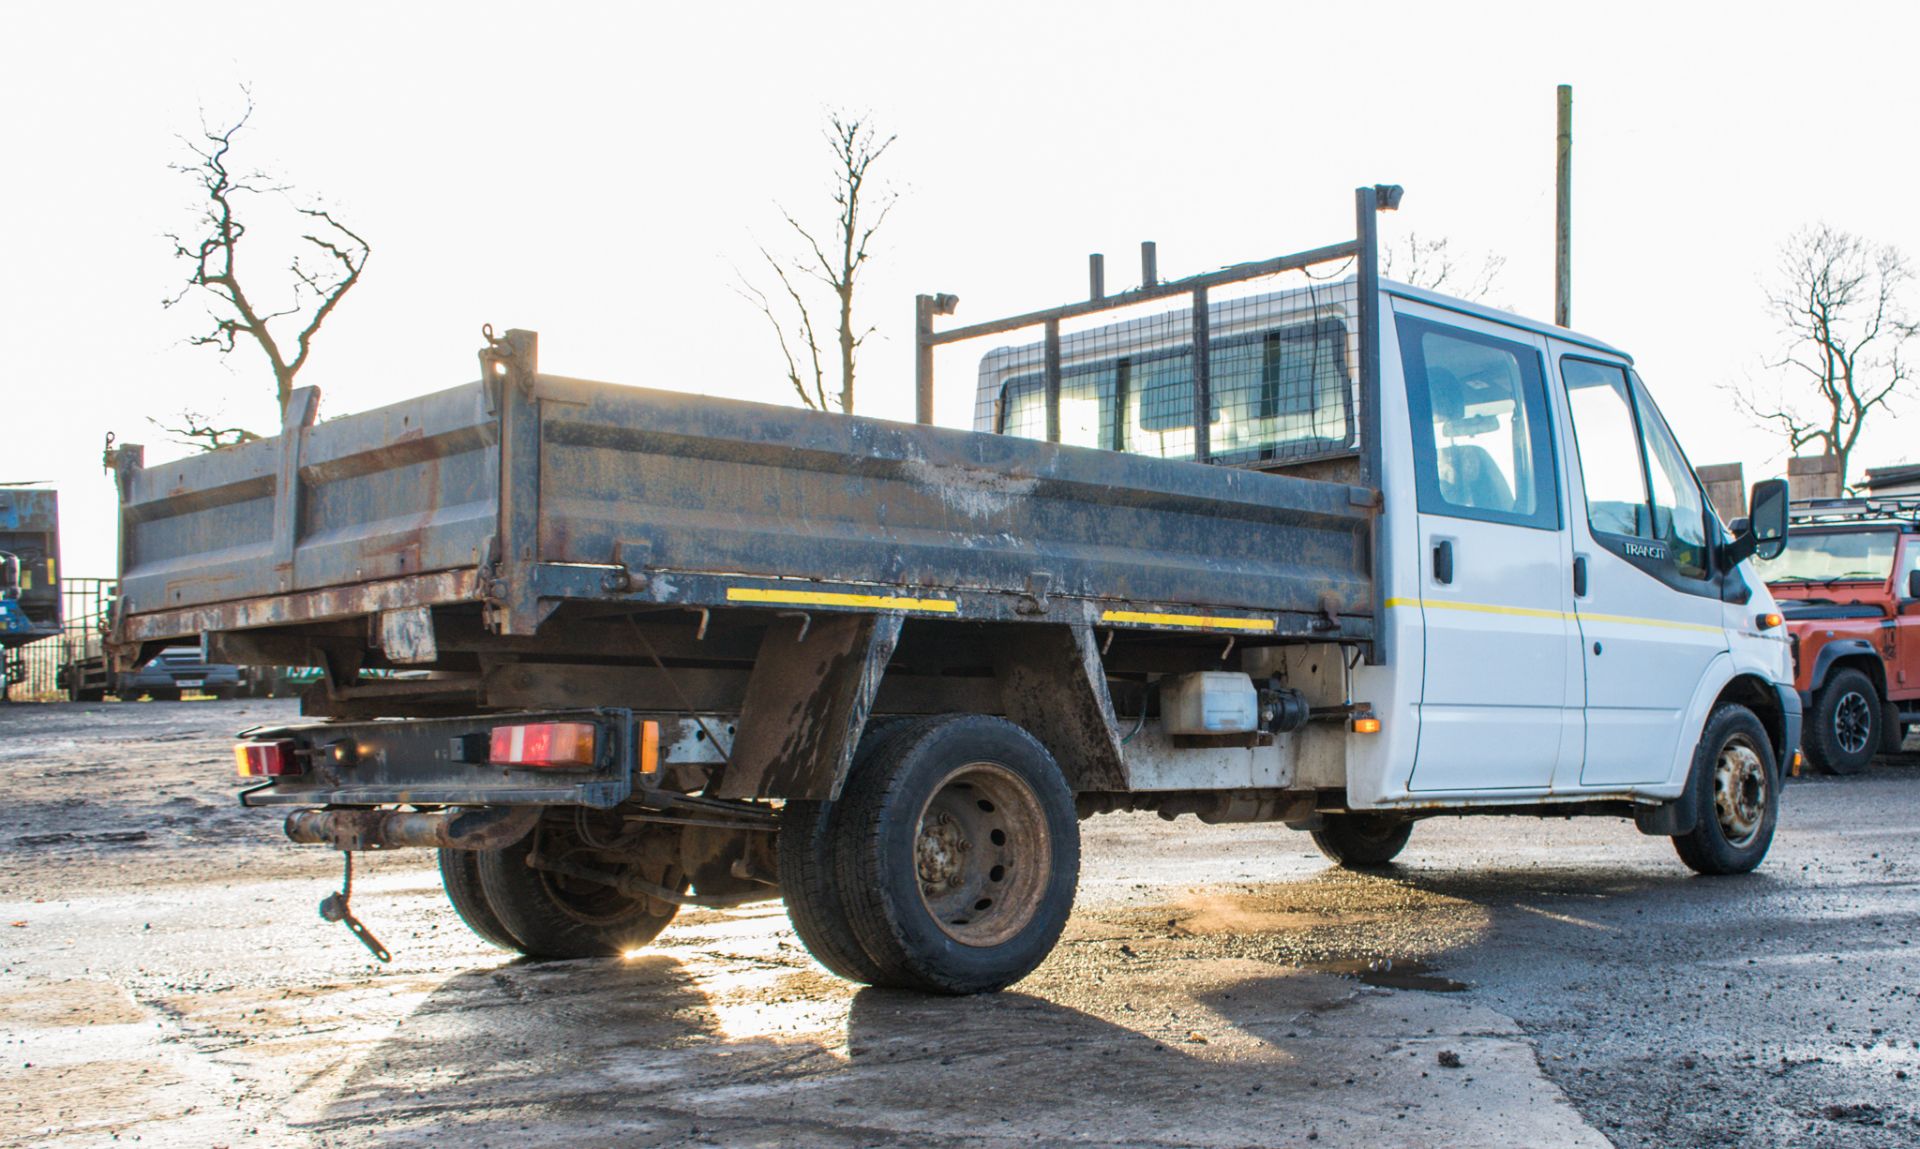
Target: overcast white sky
[595, 172]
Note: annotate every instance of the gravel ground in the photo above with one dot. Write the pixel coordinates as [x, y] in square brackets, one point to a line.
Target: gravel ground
[163, 977]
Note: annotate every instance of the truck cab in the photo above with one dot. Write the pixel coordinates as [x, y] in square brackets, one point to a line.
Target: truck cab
[1848, 589]
[1566, 610]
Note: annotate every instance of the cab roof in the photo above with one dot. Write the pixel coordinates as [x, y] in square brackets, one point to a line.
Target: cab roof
[1511, 319]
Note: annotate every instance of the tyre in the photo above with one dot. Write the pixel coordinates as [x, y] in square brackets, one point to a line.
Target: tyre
[1844, 730]
[809, 833]
[460, 875]
[959, 857]
[1362, 841]
[1736, 789]
[554, 915]
[1893, 732]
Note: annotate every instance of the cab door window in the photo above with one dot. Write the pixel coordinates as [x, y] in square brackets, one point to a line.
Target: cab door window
[1481, 444]
[1679, 511]
[1607, 437]
[1638, 484]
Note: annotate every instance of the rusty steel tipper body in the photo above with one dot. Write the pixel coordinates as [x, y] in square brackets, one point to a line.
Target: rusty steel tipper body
[527, 495]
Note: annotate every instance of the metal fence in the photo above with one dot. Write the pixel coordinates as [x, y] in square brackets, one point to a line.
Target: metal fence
[42, 669]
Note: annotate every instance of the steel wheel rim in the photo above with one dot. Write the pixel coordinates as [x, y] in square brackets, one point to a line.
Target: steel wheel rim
[982, 854]
[589, 903]
[1740, 791]
[1852, 722]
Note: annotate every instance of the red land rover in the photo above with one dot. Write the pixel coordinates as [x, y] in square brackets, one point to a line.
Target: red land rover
[1849, 586]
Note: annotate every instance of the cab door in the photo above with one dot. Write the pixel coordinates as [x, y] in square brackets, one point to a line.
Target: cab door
[1499, 701]
[1646, 594]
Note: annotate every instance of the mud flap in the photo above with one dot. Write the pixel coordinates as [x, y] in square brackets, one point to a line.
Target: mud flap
[1053, 683]
[1671, 819]
[807, 701]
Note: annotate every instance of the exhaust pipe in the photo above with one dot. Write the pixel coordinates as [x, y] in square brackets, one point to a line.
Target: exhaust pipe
[457, 828]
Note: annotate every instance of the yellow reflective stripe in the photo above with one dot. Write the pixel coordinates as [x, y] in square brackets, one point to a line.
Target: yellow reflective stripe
[833, 598]
[1534, 612]
[1668, 623]
[1210, 622]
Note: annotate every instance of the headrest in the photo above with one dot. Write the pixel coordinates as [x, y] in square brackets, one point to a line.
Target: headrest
[1448, 397]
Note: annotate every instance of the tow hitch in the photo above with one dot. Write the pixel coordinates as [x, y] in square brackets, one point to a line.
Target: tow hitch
[335, 908]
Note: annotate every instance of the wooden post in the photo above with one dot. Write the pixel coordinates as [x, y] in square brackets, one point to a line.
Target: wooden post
[1563, 214]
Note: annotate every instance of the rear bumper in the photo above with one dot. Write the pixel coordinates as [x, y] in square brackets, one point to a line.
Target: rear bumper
[152, 678]
[438, 762]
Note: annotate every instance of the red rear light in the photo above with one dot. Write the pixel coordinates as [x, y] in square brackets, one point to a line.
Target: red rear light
[267, 759]
[543, 744]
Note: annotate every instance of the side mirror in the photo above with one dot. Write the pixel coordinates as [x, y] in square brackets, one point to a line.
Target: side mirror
[1913, 583]
[1764, 533]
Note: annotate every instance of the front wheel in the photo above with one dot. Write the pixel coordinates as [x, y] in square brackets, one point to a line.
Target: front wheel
[1844, 730]
[1362, 841]
[1736, 793]
[961, 856]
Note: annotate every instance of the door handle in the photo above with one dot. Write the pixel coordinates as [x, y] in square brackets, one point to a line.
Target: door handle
[1580, 576]
[1443, 561]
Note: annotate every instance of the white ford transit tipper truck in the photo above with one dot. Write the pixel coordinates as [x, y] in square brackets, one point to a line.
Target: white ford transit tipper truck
[1308, 547]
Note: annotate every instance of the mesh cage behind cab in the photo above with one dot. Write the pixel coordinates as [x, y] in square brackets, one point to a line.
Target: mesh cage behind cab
[1281, 379]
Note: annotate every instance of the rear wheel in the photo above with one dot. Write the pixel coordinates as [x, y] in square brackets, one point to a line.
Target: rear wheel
[1736, 791]
[809, 833]
[1362, 841]
[1844, 731]
[460, 875]
[961, 856]
[557, 915]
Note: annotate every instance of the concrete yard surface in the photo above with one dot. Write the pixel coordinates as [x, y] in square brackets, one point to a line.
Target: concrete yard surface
[164, 976]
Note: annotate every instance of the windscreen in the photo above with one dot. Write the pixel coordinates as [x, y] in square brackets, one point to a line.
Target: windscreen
[1830, 556]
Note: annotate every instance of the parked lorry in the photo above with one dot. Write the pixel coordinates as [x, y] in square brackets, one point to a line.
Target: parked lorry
[1849, 589]
[29, 581]
[690, 651]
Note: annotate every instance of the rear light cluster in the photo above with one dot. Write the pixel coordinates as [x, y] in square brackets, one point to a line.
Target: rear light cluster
[538, 745]
[547, 745]
[275, 759]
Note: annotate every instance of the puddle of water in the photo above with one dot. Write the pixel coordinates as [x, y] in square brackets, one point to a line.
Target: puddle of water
[1389, 974]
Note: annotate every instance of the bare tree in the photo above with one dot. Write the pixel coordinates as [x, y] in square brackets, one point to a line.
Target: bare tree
[835, 263]
[325, 266]
[1840, 301]
[1432, 264]
[204, 432]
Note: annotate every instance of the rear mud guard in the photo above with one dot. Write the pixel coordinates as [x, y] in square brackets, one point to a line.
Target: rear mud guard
[807, 702]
